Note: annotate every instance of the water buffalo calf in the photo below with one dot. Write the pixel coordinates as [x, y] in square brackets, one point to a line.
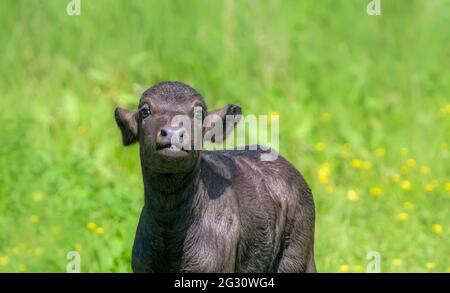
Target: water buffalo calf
[213, 211]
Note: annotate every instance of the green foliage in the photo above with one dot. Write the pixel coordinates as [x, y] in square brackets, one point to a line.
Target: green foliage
[344, 84]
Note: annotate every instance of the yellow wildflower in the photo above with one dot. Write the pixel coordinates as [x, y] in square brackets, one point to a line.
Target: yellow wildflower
[396, 178]
[356, 164]
[429, 187]
[444, 111]
[424, 169]
[320, 146]
[324, 173]
[404, 170]
[404, 151]
[78, 247]
[329, 189]
[325, 117]
[352, 195]
[430, 265]
[56, 229]
[437, 229]
[407, 205]
[366, 165]
[4, 260]
[91, 226]
[375, 191]
[38, 251]
[403, 217]
[22, 268]
[358, 268]
[406, 185]
[82, 129]
[37, 196]
[19, 248]
[411, 162]
[447, 186]
[100, 231]
[397, 262]
[274, 115]
[380, 152]
[344, 268]
[16, 250]
[34, 219]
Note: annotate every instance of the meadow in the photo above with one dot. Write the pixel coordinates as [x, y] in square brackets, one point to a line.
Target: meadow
[363, 103]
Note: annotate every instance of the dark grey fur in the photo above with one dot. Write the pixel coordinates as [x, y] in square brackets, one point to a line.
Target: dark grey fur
[214, 211]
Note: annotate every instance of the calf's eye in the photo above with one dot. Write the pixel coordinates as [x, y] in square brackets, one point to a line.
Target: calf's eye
[145, 112]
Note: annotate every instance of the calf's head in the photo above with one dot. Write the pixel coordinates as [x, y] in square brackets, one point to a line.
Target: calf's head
[165, 123]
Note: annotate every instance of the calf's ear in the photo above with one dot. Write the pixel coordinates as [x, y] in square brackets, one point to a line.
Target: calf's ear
[229, 118]
[128, 124]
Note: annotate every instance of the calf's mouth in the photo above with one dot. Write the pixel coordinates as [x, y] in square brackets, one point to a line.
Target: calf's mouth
[170, 149]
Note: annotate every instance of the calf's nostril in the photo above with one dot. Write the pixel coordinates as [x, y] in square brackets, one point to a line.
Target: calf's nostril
[163, 133]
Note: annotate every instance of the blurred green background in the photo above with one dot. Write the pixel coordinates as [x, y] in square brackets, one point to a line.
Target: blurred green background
[363, 102]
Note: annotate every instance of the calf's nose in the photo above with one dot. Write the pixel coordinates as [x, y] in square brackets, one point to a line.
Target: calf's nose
[168, 135]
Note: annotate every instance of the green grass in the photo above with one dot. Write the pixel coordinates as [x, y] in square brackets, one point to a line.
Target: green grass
[344, 84]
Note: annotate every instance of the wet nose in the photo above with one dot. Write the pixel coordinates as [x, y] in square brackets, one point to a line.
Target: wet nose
[166, 134]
